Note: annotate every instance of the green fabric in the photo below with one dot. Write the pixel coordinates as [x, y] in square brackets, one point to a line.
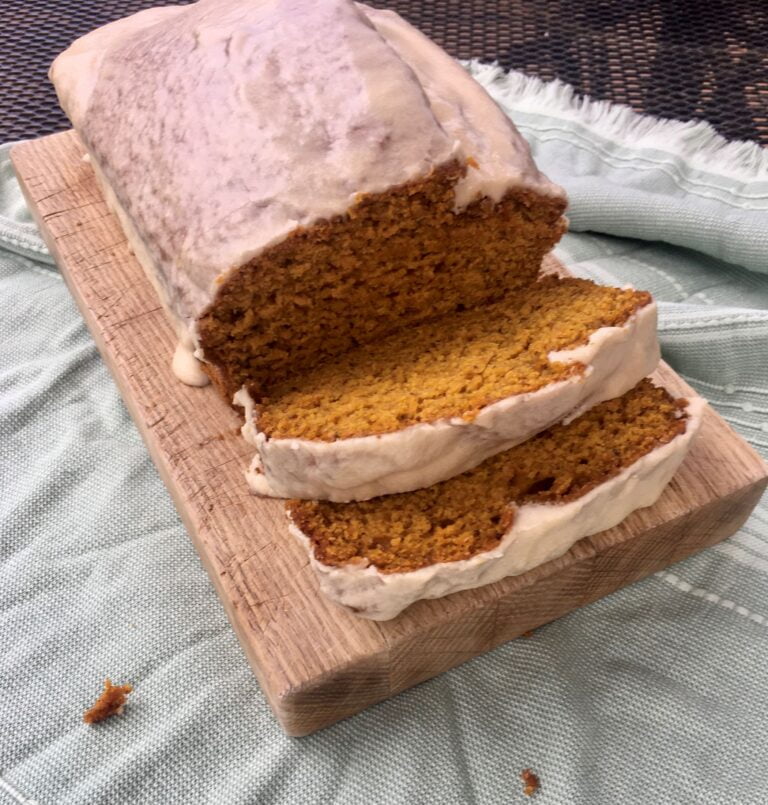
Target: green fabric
[656, 694]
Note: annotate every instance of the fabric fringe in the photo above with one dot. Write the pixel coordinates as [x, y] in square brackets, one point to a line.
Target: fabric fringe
[694, 141]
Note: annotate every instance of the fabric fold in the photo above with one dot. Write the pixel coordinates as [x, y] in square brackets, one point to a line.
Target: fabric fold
[635, 176]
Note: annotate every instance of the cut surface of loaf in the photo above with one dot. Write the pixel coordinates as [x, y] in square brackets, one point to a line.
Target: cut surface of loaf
[396, 259]
[516, 510]
[440, 368]
[433, 400]
[309, 176]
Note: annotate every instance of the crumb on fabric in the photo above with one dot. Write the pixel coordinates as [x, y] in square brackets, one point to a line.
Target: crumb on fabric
[530, 782]
[111, 702]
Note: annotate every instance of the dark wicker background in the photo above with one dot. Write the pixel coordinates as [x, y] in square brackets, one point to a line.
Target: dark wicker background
[675, 58]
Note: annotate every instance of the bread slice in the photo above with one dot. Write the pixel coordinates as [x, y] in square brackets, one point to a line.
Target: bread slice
[515, 511]
[436, 399]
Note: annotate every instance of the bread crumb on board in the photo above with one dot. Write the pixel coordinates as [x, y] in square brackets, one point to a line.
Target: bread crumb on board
[531, 782]
[110, 703]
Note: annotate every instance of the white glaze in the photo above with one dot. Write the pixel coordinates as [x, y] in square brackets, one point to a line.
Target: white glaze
[421, 455]
[187, 359]
[224, 125]
[470, 117]
[540, 533]
[186, 366]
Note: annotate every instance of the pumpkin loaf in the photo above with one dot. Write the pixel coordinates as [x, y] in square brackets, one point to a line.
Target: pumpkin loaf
[347, 232]
[300, 177]
[431, 401]
[516, 510]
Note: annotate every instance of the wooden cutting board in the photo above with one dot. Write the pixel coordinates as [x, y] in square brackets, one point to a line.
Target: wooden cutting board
[316, 663]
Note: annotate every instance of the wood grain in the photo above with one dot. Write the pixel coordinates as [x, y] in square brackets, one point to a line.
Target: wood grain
[316, 663]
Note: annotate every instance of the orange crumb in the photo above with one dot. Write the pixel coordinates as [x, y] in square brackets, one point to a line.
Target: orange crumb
[530, 782]
[529, 633]
[472, 162]
[426, 372]
[394, 259]
[111, 702]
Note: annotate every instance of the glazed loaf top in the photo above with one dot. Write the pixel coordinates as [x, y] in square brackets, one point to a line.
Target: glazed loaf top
[221, 127]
